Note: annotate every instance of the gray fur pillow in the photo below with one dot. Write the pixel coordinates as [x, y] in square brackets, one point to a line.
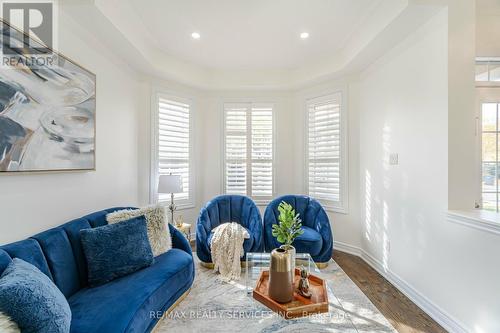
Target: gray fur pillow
[156, 221]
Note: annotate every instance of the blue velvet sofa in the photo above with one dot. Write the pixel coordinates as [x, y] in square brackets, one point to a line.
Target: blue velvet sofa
[122, 305]
[223, 209]
[317, 239]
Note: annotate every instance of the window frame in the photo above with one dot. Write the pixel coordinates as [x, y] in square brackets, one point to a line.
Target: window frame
[479, 135]
[342, 206]
[154, 172]
[487, 61]
[260, 201]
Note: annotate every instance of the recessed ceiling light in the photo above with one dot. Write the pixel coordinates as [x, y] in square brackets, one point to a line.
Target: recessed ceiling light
[195, 35]
[304, 35]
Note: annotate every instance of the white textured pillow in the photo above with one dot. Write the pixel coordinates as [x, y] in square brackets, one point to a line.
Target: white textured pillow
[7, 325]
[156, 221]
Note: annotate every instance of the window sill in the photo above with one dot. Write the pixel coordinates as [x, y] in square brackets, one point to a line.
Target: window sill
[262, 203]
[333, 209]
[478, 219]
[334, 206]
[486, 84]
[178, 206]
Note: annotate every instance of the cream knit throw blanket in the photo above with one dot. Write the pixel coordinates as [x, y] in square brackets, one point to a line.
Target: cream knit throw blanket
[227, 249]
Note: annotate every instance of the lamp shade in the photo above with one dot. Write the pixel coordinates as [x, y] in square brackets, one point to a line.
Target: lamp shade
[170, 184]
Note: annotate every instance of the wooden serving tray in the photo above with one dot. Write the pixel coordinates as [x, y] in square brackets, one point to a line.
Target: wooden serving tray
[300, 306]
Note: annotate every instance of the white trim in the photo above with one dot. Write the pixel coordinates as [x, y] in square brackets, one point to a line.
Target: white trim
[153, 175]
[223, 148]
[485, 59]
[262, 203]
[444, 319]
[343, 206]
[153, 144]
[477, 219]
[347, 248]
[435, 312]
[478, 152]
[480, 100]
[487, 84]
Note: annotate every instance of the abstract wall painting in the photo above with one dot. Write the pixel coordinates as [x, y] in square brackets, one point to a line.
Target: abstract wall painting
[47, 114]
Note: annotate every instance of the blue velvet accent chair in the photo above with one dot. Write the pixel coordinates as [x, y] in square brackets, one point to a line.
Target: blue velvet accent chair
[317, 239]
[223, 209]
[119, 306]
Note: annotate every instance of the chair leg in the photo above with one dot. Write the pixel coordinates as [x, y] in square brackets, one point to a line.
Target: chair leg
[209, 265]
[322, 265]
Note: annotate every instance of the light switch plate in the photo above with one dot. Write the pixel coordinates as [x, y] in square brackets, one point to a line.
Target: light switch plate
[394, 159]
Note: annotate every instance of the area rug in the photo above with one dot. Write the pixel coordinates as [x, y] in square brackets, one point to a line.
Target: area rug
[215, 306]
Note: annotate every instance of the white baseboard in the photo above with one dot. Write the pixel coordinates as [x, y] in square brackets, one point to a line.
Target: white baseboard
[347, 248]
[435, 312]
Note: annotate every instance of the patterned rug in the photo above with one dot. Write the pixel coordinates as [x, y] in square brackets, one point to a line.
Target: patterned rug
[214, 306]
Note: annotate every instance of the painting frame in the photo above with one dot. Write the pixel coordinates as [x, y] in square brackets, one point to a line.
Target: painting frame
[93, 99]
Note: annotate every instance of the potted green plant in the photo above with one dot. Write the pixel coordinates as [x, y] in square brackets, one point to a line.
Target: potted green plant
[288, 228]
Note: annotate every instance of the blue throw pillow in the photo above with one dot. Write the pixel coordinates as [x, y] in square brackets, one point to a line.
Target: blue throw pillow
[116, 250]
[32, 300]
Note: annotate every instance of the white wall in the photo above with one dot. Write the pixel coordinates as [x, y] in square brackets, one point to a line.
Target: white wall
[461, 96]
[404, 109]
[32, 202]
[487, 44]
[487, 27]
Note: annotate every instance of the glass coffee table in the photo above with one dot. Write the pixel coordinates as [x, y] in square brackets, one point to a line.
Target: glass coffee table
[256, 262]
[335, 317]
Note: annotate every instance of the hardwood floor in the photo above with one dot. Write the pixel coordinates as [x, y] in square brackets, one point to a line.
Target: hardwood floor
[402, 313]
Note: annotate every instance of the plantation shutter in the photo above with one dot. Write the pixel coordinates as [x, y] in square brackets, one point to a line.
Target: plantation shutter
[249, 150]
[236, 149]
[324, 149]
[262, 151]
[173, 143]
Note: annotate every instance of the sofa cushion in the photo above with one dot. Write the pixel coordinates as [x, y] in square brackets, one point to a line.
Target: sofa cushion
[30, 251]
[72, 229]
[116, 250]
[33, 302]
[125, 304]
[309, 242]
[156, 222]
[59, 255]
[98, 219]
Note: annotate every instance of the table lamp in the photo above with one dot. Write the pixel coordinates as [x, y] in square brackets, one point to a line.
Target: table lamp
[170, 184]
